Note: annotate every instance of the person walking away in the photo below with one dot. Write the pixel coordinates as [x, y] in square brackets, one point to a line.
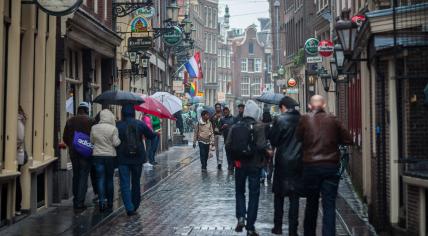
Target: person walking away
[154, 143]
[76, 125]
[240, 115]
[321, 134]
[216, 123]
[248, 145]
[267, 166]
[204, 136]
[148, 122]
[21, 157]
[131, 156]
[226, 123]
[105, 138]
[288, 166]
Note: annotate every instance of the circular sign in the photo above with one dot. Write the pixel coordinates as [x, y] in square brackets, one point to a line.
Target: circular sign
[311, 46]
[173, 36]
[139, 25]
[291, 82]
[326, 48]
[59, 7]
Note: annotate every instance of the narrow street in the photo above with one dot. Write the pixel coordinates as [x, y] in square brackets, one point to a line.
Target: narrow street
[195, 203]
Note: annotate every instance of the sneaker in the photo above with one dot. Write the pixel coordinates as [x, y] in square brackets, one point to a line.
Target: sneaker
[219, 166]
[277, 230]
[252, 233]
[18, 213]
[240, 225]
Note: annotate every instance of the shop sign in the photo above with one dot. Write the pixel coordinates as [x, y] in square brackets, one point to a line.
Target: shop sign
[59, 8]
[139, 25]
[326, 48]
[221, 96]
[173, 36]
[177, 86]
[146, 12]
[281, 82]
[316, 59]
[292, 91]
[311, 46]
[292, 82]
[136, 44]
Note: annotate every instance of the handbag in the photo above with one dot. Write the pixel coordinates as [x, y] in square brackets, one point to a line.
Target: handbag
[82, 144]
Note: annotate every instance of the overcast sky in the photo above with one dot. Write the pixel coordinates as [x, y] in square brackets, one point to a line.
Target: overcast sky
[244, 12]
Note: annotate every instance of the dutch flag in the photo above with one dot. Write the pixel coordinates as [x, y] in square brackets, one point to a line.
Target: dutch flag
[193, 66]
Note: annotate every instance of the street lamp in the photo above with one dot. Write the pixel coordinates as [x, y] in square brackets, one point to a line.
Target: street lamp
[172, 11]
[333, 69]
[277, 4]
[187, 26]
[325, 78]
[339, 57]
[347, 32]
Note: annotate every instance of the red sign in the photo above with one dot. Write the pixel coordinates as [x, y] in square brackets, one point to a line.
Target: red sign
[291, 82]
[358, 19]
[326, 48]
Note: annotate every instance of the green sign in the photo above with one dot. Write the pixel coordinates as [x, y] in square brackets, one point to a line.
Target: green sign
[173, 37]
[311, 46]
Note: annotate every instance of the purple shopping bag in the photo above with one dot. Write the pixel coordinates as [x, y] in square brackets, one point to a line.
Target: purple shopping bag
[82, 144]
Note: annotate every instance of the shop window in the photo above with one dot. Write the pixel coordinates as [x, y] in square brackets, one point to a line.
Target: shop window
[3, 204]
[40, 190]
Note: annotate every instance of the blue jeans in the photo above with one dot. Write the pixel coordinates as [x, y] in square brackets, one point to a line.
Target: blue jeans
[104, 167]
[81, 168]
[253, 175]
[204, 150]
[153, 147]
[325, 181]
[130, 188]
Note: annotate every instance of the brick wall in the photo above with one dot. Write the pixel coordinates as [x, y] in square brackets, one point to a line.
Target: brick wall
[99, 15]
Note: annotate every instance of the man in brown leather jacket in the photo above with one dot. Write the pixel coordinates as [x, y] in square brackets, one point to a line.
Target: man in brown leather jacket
[321, 134]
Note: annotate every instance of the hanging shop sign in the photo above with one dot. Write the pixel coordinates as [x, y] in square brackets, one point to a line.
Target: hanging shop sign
[59, 8]
[178, 86]
[139, 24]
[311, 60]
[292, 82]
[326, 48]
[136, 44]
[311, 46]
[146, 12]
[173, 37]
[281, 82]
[292, 91]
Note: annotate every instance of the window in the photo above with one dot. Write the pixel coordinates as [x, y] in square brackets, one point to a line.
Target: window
[258, 65]
[227, 58]
[206, 16]
[214, 42]
[206, 42]
[255, 87]
[105, 9]
[224, 58]
[214, 19]
[251, 48]
[244, 65]
[219, 57]
[245, 86]
[250, 65]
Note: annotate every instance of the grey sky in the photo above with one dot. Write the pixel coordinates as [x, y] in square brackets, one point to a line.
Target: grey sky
[244, 12]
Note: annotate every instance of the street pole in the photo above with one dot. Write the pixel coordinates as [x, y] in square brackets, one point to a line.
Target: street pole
[276, 5]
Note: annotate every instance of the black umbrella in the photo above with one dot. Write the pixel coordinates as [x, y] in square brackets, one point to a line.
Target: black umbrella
[270, 98]
[117, 97]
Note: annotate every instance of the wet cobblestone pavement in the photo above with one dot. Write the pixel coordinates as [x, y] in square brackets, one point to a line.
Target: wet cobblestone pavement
[194, 203]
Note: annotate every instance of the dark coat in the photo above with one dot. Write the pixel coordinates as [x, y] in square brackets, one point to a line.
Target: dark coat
[321, 134]
[229, 121]
[128, 117]
[79, 123]
[288, 157]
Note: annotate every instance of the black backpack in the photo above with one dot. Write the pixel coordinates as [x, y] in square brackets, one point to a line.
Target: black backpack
[132, 139]
[243, 141]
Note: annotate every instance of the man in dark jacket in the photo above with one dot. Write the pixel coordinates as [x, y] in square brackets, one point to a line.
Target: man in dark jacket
[131, 161]
[248, 167]
[81, 165]
[288, 165]
[216, 124]
[240, 115]
[321, 134]
[226, 123]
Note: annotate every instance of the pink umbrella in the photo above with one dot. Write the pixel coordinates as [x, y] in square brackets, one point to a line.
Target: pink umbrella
[154, 107]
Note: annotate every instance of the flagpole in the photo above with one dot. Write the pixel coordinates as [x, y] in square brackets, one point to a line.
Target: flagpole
[178, 70]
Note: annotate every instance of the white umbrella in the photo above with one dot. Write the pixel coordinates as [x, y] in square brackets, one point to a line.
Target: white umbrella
[171, 102]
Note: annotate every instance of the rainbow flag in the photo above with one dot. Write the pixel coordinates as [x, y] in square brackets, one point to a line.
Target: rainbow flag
[193, 88]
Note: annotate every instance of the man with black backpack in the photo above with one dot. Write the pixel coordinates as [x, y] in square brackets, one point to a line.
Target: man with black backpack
[248, 145]
[131, 156]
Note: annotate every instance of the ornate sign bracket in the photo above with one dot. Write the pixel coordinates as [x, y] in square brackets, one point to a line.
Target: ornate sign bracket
[122, 9]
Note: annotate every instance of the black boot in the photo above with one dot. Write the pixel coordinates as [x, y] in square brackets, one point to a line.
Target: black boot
[277, 230]
[241, 224]
[252, 233]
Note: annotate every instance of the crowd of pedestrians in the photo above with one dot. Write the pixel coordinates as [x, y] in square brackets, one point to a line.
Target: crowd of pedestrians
[302, 151]
[104, 145]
